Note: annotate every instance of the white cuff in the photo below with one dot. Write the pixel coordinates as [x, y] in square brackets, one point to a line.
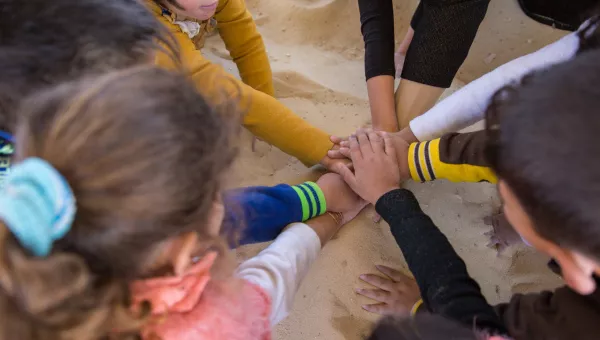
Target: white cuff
[281, 267]
[467, 106]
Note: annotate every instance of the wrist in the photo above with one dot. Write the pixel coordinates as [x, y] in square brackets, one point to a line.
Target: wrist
[337, 217]
[375, 198]
[408, 135]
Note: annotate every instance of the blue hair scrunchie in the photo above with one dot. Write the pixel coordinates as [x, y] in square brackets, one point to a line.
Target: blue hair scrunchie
[37, 205]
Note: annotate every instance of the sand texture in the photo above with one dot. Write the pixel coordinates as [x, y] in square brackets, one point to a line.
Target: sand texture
[316, 52]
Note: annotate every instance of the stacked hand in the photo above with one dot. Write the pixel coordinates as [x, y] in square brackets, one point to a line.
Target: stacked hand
[340, 198]
[375, 165]
[341, 150]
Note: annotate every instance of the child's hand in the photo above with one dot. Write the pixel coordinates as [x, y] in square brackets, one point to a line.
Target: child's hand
[399, 143]
[375, 163]
[503, 235]
[396, 293]
[332, 163]
[338, 195]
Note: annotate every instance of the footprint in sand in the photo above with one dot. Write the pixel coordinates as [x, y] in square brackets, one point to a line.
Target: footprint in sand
[310, 4]
[292, 84]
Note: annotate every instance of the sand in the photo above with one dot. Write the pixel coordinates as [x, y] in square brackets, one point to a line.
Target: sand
[316, 52]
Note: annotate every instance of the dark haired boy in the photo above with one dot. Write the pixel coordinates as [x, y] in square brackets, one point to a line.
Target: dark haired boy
[540, 141]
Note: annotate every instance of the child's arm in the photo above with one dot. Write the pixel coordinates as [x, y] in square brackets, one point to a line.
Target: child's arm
[467, 106]
[377, 26]
[457, 157]
[238, 30]
[281, 267]
[445, 285]
[265, 116]
[265, 211]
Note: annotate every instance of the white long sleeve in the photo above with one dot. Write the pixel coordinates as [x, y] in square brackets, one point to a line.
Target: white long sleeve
[281, 267]
[467, 106]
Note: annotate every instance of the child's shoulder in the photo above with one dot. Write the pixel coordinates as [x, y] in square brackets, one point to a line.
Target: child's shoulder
[240, 311]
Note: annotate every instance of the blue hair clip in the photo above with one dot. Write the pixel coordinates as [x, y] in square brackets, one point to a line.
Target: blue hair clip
[37, 205]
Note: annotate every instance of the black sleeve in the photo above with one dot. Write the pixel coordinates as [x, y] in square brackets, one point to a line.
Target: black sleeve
[377, 26]
[444, 33]
[446, 287]
[414, 22]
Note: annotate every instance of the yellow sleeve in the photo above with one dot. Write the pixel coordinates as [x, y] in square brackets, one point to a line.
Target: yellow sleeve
[265, 116]
[428, 161]
[245, 45]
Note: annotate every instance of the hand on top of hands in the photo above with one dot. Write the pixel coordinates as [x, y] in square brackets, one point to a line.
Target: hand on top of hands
[339, 197]
[400, 145]
[375, 163]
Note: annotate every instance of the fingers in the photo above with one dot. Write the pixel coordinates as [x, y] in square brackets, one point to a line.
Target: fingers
[378, 281]
[345, 152]
[375, 294]
[393, 274]
[363, 141]
[379, 308]
[346, 174]
[376, 218]
[336, 139]
[390, 150]
[355, 150]
[336, 154]
[376, 142]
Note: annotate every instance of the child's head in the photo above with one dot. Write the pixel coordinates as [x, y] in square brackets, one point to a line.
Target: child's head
[425, 327]
[144, 156]
[543, 144]
[195, 9]
[46, 42]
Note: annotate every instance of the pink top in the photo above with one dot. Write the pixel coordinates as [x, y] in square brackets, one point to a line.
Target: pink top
[192, 307]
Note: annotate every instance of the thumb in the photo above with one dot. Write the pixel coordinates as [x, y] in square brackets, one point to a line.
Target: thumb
[346, 174]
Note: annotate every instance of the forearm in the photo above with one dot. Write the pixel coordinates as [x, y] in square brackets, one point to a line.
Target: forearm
[265, 211]
[273, 122]
[457, 157]
[467, 106]
[245, 44]
[326, 226]
[446, 287]
[281, 267]
[377, 26]
[444, 33]
[413, 99]
[381, 100]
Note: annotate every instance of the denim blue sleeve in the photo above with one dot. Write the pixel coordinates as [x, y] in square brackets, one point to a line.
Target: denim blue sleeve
[262, 212]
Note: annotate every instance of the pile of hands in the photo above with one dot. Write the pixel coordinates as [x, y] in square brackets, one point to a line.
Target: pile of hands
[366, 166]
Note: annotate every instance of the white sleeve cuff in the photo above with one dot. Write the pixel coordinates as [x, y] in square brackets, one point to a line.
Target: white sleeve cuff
[281, 267]
[467, 106]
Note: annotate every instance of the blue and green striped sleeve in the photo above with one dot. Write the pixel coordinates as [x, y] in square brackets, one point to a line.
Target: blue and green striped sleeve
[263, 212]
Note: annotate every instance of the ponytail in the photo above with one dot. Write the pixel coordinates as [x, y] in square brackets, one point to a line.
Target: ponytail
[46, 295]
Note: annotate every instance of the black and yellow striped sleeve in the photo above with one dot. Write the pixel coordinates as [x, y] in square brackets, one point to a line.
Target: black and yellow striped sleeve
[457, 157]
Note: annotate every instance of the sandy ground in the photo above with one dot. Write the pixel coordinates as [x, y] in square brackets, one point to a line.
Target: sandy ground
[316, 52]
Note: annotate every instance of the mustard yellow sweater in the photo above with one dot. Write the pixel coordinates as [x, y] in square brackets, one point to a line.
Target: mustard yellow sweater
[265, 117]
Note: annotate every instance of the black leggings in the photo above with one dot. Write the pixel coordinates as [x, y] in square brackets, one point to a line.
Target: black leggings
[444, 33]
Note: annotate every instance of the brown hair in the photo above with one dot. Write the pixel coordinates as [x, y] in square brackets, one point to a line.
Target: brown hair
[542, 142]
[45, 43]
[145, 156]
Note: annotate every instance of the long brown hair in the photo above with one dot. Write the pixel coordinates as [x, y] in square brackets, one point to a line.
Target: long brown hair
[145, 157]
